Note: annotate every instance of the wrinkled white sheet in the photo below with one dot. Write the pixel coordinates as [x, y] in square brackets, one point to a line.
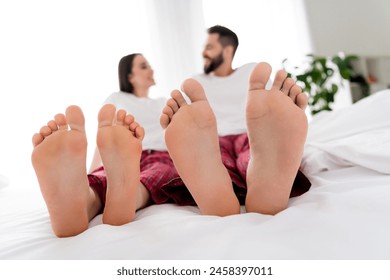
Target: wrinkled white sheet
[345, 215]
[356, 135]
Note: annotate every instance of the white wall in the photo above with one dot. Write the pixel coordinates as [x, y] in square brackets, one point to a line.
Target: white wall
[353, 26]
[358, 27]
[177, 33]
[268, 30]
[57, 53]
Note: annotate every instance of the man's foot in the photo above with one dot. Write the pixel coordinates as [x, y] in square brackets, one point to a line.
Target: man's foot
[277, 128]
[192, 141]
[59, 160]
[119, 140]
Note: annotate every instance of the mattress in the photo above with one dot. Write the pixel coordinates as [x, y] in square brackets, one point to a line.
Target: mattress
[344, 216]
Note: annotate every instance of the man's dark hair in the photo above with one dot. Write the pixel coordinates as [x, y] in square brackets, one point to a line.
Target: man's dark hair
[226, 36]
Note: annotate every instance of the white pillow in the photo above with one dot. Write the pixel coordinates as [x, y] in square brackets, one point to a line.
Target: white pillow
[356, 135]
[370, 150]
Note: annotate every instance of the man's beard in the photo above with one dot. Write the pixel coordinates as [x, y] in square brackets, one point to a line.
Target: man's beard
[214, 64]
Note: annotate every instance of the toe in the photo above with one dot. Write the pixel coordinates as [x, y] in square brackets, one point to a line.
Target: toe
[52, 125]
[287, 86]
[133, 126]
[178, 97]
[129, 120]
[139, 132]
[45, 131]
[280, 77]
[37, 139]
[168, 111]
[106, 115]
[301, 100]
[260, 76]
[173, 105]
[120, 117]
[294, 92]
[194, 90]
[75, 118]
[61, 121]
[164, 120]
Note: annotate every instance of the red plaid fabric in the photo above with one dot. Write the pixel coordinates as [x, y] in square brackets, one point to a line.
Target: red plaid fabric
[235, 153]
[159, 175]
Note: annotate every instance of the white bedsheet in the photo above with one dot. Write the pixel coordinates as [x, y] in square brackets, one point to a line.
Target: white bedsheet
[357, 135]
[345, 215]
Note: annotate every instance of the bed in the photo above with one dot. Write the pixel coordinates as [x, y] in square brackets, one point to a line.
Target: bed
[345, 214]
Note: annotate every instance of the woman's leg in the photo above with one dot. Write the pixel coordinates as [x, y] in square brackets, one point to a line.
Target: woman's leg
[119, 140]
[59, 161]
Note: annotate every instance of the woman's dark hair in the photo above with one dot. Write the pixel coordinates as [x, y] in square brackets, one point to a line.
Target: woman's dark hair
[124, 70]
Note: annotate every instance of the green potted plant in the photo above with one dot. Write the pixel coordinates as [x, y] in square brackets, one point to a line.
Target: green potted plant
[319, 76]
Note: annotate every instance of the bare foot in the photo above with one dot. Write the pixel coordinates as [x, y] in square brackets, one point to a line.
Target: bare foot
[119, 140]
[277, 129]
[59, 160]
[192, 141]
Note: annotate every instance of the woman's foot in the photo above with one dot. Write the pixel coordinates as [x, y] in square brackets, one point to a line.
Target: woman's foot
[277, 129]
[119, 140]
[59, 160]
[192, 141]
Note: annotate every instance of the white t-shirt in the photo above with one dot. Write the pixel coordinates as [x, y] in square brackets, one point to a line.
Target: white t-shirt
[227, 97]
[147, 112]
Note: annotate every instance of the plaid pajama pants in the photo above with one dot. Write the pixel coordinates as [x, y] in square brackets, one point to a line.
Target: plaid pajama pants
[159, 175]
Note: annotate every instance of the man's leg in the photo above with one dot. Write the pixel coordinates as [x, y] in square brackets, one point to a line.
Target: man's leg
[277, 129]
